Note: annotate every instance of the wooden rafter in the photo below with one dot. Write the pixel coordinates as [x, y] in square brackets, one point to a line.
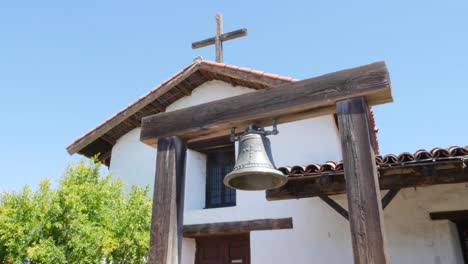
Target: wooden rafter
[133, 121]
[108, 139]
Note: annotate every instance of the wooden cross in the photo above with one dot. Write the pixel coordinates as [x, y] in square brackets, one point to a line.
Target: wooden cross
[219, 37]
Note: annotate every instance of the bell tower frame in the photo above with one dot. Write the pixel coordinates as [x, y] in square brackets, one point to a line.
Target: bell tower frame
[348, 93]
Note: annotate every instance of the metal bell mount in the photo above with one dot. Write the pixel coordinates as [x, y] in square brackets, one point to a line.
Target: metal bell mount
[254, 169]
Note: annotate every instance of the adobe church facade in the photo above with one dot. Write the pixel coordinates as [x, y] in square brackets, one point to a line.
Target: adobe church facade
[300, 231]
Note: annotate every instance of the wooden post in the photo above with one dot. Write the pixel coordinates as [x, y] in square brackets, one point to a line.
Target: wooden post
[365, 209]
[168, 202]
[218, 41]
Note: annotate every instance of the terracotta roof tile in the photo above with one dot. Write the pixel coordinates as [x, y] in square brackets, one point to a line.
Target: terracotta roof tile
[248, 70]
[419, 156]
[259, 73]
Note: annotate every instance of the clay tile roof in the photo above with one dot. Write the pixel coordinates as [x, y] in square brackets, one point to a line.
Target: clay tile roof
[420, 156]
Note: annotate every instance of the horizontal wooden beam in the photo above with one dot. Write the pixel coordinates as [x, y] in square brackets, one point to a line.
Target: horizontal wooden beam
[226, 36]
[211, 144]
[228, 228]
[393, 177]
[285, 103]
[455, 216]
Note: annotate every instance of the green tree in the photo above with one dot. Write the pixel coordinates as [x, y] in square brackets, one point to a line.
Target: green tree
[88, 218]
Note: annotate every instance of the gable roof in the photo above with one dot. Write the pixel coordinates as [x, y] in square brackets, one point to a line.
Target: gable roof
[102, 138]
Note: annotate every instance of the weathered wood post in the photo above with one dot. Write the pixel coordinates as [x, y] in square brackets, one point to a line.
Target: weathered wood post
[365, 209]
[168, 202]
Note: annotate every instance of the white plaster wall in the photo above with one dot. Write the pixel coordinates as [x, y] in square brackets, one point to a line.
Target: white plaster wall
[319, 233]
[195, 181]
[413, 237]
[188, 248]
[133, 161]
[207, 92]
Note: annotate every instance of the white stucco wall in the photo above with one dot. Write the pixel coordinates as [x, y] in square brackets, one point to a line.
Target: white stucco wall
[132, 160]
[319, 232]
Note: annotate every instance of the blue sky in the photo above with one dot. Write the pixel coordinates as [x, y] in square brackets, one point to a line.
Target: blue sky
[65, 66]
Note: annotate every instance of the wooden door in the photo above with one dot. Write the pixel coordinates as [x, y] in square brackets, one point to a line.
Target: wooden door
[223, 250]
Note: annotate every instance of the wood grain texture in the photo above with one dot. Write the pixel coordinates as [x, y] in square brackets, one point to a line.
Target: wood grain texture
[168, 203]
[224, 37]
[365, 208]
[218, 41]
[288, 102]
[238, 227]
[391, 177]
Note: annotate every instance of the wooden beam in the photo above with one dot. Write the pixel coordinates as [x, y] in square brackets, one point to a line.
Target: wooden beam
[181, 87]
[335, 206]
[104, 156]
[365, 208]
[158, 106]
[218, 41]
[168, 203]
[455, 216]
[133, 121]
[108, 139]
[211, 144]
[286, 103]
[224, 37]
[407, 175]
[388, 197]
[229, 228]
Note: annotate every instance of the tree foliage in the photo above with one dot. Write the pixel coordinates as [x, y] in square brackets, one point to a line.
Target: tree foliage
[88, 218]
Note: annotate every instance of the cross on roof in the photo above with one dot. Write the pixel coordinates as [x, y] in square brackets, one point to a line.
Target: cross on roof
[219, 37]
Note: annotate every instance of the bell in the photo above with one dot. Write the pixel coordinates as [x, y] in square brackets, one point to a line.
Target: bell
[254, 169]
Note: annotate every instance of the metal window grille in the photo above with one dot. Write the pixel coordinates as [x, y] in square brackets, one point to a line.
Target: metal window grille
[218, 165]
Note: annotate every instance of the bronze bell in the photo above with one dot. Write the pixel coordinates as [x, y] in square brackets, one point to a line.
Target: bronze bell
[255, 169]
